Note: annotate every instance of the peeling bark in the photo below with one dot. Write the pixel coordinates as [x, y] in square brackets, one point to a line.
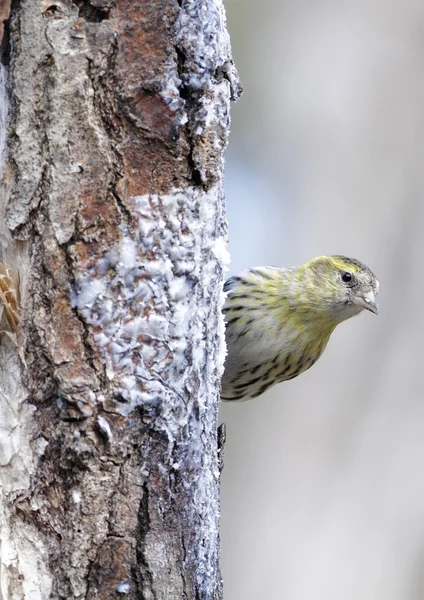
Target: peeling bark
[113, 177]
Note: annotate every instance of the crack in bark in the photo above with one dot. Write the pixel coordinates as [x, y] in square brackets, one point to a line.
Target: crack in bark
[88, 348]
[92, 13]
[126, 214]
[190, 105]
[143, 575]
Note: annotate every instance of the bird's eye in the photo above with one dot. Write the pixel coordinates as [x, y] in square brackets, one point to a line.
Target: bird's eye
[346, 277]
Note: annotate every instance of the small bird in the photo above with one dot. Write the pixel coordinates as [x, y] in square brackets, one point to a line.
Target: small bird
[278, 321]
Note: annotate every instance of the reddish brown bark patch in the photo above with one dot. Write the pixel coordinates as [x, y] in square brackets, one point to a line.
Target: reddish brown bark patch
[154, 146]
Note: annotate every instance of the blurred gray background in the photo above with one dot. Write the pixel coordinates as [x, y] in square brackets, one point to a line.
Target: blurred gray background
[323, 485]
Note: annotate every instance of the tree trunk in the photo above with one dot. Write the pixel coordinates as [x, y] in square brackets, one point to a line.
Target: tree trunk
[113, 211]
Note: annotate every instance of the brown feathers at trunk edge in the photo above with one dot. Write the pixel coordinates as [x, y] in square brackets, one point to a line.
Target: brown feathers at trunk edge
[9, 299]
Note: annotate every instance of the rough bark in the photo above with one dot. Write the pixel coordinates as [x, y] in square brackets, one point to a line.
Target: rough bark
[119, 115]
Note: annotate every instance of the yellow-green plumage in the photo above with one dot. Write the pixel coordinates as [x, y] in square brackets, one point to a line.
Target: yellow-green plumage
[278, 321]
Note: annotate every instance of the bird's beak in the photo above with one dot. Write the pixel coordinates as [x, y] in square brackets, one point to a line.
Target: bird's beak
[366, 301]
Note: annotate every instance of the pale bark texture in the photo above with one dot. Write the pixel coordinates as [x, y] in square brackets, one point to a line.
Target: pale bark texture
[113, 185]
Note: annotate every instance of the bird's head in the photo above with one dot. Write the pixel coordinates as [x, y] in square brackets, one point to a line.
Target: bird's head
[338, 287]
